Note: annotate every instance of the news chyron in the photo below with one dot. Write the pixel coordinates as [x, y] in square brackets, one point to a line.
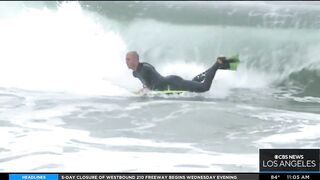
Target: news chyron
[274, 164]
[289, 164]
[289, 160]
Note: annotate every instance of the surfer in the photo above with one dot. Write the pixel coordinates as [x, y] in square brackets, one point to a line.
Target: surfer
[153, 80]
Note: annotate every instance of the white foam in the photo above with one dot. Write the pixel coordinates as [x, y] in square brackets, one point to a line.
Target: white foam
[63, 50]
[48, 148]
[295, 127]
[108, 161]
[305, 132]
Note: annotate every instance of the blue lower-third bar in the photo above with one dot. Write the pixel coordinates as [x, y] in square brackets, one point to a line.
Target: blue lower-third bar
[33, 177]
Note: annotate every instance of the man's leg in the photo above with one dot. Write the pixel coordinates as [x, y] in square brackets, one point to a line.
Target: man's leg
[174, 82]
[200, 77]
[177, 83]
[209, 75]
[223, 64]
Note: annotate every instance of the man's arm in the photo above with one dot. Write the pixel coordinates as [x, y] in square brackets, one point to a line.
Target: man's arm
[146, 75]
[150, 76]
[144, 89]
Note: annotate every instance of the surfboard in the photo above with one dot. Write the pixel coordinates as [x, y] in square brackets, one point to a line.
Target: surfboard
[166, 92]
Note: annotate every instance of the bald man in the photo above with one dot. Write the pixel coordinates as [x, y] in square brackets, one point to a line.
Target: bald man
[153, 80]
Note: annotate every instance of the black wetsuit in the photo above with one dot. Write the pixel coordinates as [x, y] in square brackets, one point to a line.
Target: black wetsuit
[155, 81]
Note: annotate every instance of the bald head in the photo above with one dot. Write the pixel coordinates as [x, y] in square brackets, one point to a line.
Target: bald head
[132, 60]
[133, 53]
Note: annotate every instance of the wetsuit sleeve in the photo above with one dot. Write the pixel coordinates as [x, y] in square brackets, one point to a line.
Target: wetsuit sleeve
[148, 75]
[151, 75]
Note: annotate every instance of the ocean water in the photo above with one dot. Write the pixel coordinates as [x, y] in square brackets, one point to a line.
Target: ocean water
[67, 101]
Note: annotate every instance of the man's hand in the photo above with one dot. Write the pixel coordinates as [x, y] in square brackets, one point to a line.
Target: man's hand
[143, 90]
